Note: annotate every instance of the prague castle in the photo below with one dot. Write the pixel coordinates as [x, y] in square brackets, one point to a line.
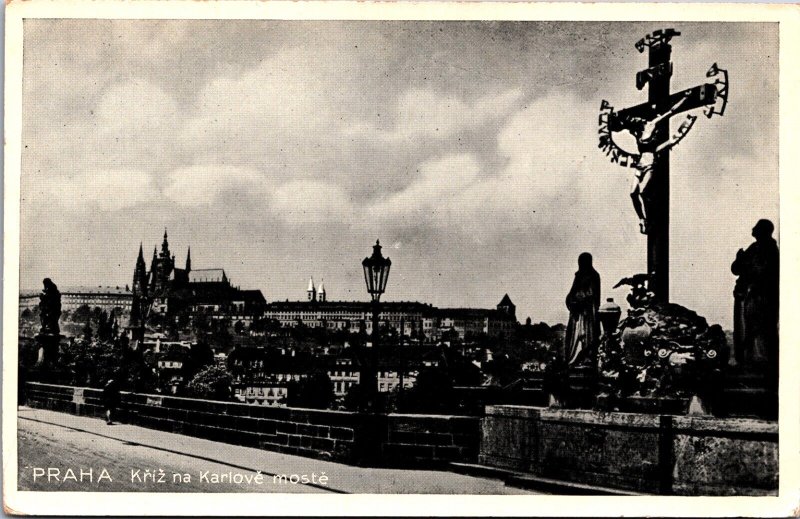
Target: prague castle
[166, 289]
[408, 317]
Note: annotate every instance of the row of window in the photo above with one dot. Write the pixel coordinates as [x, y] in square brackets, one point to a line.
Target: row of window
[343, 374]
[252, 392]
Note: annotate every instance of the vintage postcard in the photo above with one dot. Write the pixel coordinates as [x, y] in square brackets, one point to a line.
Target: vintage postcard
[400, 259]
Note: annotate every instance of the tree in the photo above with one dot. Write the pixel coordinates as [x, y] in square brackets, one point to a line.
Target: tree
[432, 393]
[212, 382]
[106, 361]
[200, 323]
[87, 331]
[81, 314]
[353, 398]
[183, 320]
[450, 335]
[238, 327]
[220, 338]
[200, 356]
[105, 327]
[314, 391]
[172, 330]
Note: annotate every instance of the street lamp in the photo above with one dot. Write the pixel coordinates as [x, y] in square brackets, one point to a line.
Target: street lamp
[376, 274]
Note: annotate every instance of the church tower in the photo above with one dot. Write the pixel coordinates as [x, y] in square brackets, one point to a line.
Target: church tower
[321, 292]
[312, 292]
[188, 260]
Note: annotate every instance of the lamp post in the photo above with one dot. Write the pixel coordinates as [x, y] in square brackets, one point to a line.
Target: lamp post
[376, 274]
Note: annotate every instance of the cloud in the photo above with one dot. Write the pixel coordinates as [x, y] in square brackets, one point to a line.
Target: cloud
[308, 201]
[277, 115]
[204, 184]
[435, 193]
[424, 113]
[106, 190]
[546, 156]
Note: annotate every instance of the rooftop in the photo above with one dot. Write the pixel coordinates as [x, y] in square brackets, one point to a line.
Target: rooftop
[207, 275]
[107, 290]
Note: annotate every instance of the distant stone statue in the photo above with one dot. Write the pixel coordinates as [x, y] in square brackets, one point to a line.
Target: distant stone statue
[756, 301]
[583, 301]
[49, 308]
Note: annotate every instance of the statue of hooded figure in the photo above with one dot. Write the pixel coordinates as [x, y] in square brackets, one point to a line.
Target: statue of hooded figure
[756, 301]
[583, 301]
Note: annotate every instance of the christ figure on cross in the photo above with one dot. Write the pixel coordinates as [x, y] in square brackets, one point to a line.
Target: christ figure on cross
[644, 130]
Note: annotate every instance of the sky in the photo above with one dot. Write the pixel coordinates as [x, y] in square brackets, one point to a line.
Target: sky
[280, 150]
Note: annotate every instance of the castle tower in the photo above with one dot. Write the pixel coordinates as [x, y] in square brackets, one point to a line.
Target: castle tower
[321, 292]
[507, 307]
[312, 292]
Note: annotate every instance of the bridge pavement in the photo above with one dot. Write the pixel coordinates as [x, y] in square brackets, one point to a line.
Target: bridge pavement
[52, 440]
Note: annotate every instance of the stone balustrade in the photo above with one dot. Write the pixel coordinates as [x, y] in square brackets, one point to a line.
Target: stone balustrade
[662, 454]
[333, 435]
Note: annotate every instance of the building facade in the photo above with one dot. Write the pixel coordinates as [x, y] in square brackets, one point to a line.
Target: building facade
[103, 297]
[410, 318]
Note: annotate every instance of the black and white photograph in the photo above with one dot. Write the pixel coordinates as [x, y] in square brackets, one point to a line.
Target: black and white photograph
[391, 254]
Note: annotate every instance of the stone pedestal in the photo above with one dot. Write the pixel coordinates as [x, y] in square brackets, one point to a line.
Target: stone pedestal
[578, 389]
[46, 368]
[48, 349]
[746, 392]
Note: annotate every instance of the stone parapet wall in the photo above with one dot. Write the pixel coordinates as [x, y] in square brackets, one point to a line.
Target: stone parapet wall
[416, 438]
[332, 435]
[711, 455]
[510, 437]
[643, 453]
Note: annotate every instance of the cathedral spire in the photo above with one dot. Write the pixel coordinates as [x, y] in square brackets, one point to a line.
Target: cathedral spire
[140, 274]
[188, 259]
[165, 244]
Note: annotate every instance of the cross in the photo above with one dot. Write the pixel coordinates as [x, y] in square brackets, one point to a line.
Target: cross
[652, 192]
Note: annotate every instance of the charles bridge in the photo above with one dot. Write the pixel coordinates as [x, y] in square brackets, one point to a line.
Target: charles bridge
[558, 450]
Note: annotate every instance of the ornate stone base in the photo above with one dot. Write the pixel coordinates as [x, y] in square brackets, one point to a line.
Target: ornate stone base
[48, 350]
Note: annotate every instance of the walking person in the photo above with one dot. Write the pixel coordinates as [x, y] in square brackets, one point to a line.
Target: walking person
[111, 399]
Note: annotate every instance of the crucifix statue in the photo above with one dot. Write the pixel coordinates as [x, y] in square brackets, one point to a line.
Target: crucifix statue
[649, 123]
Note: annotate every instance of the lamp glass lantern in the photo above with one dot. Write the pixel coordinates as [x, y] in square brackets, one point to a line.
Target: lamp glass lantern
[376, 272]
